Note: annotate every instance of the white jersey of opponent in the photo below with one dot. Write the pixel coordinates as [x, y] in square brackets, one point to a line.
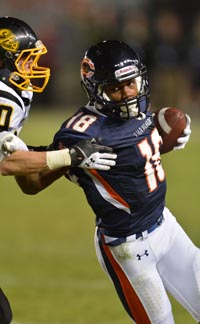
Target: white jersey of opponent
[14, 108]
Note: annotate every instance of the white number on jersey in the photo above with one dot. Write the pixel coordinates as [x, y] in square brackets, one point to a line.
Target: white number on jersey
[153, 168]
[5, 115]
[82, 123]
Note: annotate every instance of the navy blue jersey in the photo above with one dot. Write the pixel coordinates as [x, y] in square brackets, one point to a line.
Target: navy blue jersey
[130, 197]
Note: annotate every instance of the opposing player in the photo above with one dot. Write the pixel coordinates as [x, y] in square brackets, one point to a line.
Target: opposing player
[20, 73]
[137, 238]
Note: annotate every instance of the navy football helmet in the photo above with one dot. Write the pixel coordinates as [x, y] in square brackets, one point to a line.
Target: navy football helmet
[111, 62]
[19, 47]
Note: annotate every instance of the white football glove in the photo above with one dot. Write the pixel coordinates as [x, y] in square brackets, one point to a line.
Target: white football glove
[182, 141]
[4, 137]
[10, 143]
[99, 161]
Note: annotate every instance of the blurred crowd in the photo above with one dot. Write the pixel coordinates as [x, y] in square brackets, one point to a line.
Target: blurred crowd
[165, 33]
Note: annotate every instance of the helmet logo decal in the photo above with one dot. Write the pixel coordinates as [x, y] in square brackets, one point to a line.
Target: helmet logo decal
[7, 40]
[87, 68]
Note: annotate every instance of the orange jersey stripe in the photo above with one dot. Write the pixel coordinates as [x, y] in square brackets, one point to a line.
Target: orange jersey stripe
[109, 189]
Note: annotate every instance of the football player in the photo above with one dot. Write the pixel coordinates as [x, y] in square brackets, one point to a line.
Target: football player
[20, 73]
[137, 238]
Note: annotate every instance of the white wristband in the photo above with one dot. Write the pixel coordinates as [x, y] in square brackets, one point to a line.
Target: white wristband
[58, 159]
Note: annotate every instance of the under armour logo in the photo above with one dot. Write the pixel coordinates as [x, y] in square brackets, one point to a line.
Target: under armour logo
[89, 162]
[139, 256]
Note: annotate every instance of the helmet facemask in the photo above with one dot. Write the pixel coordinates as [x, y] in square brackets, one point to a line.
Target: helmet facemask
[28, 75]
[130, 107]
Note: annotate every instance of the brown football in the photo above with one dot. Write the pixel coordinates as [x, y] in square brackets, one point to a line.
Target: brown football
[170, 123]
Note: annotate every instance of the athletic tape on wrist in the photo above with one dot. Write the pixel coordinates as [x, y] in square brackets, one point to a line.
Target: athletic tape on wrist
[58, 159]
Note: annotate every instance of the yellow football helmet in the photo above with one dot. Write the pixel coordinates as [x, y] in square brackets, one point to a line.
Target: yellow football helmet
[20, 52]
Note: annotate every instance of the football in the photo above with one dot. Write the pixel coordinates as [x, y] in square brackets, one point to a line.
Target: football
[170, 123]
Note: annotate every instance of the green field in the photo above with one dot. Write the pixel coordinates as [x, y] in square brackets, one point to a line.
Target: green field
[48, 264]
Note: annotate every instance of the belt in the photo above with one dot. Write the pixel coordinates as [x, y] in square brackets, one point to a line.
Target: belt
[114, 241]
[152, 228]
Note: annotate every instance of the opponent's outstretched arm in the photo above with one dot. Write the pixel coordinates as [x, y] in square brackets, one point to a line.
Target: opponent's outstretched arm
[16, 159]
[35, 171]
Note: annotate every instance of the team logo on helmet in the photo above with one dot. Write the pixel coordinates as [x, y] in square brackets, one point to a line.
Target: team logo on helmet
[7, 40]
[87, 68]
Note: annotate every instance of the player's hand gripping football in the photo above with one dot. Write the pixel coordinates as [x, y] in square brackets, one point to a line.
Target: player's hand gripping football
[90, 155]
[182, 141]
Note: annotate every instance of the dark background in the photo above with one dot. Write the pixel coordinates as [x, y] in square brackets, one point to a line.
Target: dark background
[165, 33]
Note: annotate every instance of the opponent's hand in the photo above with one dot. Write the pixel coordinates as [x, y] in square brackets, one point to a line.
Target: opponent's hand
[11, 143]
[4, 137]
[182, 141]
[87, 154]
